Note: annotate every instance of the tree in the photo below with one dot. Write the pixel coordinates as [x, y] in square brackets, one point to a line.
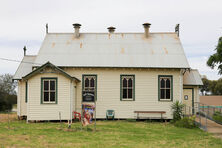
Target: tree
[205, 88]
[212, 86]
[218, 87]
[7, 92]
[216, 58]
[7, 85]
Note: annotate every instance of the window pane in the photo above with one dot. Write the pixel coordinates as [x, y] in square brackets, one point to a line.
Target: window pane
[46, 96]
[162, 93]
[162, 83]
[124, 82]
[92, 82]
[52, 96]
[124, 93]
[86, 82]
[130, 83]
[167, 93]
[52, 85]
[130, 93]
[168, 83]
[46, 85]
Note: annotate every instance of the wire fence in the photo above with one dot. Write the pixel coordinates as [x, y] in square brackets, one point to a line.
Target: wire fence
[203, 114]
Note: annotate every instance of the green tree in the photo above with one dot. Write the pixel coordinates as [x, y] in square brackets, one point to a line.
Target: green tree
[212, 87]
[7, 92]
[7, 85]
[218, 87]
[216, 58]
[205, 88]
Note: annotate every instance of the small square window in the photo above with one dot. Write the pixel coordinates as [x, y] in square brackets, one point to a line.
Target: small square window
[49, 92]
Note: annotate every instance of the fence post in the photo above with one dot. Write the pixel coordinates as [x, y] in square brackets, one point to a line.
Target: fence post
[189, 111]
[208, 111]
[199, 113]
[206, 123]
[60, 120]
[8, 121]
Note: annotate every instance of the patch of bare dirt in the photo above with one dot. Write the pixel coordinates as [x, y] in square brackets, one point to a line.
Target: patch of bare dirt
[4, 117]
[212, 127]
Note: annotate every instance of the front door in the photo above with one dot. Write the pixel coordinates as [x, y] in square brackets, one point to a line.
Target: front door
[188, 100]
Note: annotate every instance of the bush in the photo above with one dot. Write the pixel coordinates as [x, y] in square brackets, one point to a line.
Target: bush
[177, 108]
[186, 122]
[6, 101]
[217, 116]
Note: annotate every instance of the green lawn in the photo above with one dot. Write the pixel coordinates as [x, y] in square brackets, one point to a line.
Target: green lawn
[109, 134]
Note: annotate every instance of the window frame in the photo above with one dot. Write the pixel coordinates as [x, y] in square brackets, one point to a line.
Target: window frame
[121, 88]
[171, 88]
[95, 84]
[56, 90]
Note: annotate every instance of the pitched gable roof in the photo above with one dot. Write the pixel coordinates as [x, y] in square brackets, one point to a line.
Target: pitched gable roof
[46, 65]
[159, 50]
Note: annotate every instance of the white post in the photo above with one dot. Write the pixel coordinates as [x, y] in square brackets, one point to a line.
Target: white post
[95, 117]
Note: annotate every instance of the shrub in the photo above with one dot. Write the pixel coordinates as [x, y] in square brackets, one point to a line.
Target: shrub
[6, 101]
[217, 116]
[177, 108]
[186, 122]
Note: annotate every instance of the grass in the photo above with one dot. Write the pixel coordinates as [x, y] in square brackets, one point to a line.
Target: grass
[109, 134]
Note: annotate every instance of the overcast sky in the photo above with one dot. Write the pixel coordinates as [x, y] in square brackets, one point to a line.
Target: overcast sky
[22, 22]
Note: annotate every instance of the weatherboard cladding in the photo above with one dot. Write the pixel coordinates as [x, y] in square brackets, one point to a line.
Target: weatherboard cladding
[159, 50]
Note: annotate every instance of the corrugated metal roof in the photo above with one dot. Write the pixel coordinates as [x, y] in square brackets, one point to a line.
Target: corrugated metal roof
[159, 50]
[25, 67]
[192, 78]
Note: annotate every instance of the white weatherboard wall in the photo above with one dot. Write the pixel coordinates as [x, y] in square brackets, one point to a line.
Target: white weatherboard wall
[38, 111]
[21, 105]
[146, 90]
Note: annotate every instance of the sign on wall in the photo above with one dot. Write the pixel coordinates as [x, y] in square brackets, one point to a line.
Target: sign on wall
[88, 96]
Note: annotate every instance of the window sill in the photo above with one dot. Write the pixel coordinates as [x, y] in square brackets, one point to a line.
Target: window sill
[48, 103]
[127, 100]
[165, 100]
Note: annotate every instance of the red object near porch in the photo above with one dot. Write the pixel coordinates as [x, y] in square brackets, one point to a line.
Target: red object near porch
[77, 115]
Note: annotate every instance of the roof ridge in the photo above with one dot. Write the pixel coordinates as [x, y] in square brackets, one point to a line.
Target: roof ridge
[112, 33]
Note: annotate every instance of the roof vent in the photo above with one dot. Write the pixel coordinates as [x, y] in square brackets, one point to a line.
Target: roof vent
[177, 29]
[111, 29]
[24, 50]
[47, 28]
[76, 27]
[146, 29]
